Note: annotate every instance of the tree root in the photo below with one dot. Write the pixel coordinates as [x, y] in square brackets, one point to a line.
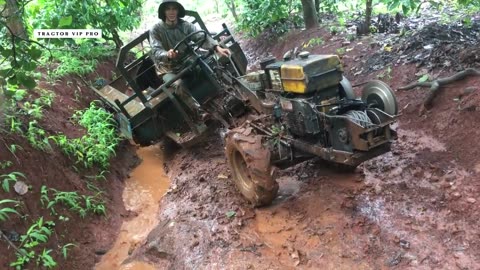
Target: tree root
[436, 84]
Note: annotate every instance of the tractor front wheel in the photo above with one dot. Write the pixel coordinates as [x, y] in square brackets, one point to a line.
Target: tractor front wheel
[252, 172]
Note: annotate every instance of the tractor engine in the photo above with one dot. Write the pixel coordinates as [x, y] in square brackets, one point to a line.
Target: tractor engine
[316, 103]
[306, 87]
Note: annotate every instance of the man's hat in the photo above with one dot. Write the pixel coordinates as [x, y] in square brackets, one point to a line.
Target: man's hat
[163, 5]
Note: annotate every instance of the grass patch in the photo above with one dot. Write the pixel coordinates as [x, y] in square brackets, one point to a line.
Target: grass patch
[98, 145]
[76, 59]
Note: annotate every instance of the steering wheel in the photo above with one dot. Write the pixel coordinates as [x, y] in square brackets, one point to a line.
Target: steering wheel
[190, 43]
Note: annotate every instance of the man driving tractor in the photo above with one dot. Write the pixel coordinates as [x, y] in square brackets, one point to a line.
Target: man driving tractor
[165, 35]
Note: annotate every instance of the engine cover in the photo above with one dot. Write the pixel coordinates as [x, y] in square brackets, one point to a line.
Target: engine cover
[307, 74]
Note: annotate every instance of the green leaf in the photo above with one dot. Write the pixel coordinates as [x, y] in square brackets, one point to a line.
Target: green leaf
[65, 249]
[65, 21]
[424, 78]
[9, 210]
[29, 66]
[51, 204]
[35, 53]
[4, 72]
[12, 80]
[6, 53]
[6, 186]
[28, 82]
[20, 94]
[38, 236]
[8, 201]
[231, 214]
[2, 2]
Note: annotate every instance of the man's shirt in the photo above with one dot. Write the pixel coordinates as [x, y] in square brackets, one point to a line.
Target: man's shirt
[164, 37]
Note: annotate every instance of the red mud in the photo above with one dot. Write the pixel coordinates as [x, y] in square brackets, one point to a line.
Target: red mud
[414, 208]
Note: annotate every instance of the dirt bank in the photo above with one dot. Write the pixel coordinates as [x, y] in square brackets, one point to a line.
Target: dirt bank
[92, 235]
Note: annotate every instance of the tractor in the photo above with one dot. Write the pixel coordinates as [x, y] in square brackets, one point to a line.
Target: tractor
[289, 110]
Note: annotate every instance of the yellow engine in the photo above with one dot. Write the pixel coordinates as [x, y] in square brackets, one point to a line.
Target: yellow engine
[306, 74]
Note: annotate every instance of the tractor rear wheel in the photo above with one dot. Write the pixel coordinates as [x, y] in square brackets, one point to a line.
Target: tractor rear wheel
[251, 168]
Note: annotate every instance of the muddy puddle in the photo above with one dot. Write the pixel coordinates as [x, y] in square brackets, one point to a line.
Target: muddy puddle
[143, 191]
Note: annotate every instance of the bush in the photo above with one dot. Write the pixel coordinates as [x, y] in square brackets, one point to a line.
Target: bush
[276, 16]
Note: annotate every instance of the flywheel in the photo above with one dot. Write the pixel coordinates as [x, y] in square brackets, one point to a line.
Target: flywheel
[378, 94]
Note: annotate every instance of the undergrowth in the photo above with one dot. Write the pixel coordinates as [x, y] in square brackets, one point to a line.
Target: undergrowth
[76, 59]
[98, 145]
[22, 116]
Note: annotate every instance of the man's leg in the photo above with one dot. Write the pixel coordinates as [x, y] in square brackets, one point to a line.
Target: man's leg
[180, 89]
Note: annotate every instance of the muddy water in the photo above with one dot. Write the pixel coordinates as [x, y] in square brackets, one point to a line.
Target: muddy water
[143, 191]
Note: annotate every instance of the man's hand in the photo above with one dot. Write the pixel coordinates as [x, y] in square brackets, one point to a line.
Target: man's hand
[222, 51]
[171, 54]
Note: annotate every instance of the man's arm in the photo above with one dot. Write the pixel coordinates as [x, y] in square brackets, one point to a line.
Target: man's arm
[159, 54]
[210, 43]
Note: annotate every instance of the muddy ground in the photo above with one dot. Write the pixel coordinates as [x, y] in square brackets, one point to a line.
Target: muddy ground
[414, 208]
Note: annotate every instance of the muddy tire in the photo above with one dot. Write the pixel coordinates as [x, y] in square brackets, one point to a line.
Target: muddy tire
[251, 168]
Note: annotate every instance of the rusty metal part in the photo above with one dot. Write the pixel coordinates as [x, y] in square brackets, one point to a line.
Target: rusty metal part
[341, 157]
[378, 94]
[364, 139]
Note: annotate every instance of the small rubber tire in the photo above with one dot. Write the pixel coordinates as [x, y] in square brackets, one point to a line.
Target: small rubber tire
[252, 172]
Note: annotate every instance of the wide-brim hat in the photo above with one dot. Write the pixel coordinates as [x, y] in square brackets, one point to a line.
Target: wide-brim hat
[163, 5]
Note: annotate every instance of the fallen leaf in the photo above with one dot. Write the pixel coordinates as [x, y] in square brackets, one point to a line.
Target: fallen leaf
[471, 200]
[231, 214]
[424, 78]
[222, 176]
[20, 187]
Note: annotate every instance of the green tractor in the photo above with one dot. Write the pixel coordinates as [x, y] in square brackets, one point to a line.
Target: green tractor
[290, 110]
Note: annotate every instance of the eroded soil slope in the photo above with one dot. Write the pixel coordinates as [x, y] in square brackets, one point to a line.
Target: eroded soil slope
[92, 235]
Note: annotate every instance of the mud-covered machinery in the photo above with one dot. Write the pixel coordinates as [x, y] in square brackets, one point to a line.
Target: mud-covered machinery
[288, 111]
[306, 108]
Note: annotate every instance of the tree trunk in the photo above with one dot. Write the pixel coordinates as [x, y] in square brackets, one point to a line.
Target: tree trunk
[309, 14]
[231, 6]
[116, 39]
[14, 19]
[317, 6]
[368, 15]
[217, 6]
